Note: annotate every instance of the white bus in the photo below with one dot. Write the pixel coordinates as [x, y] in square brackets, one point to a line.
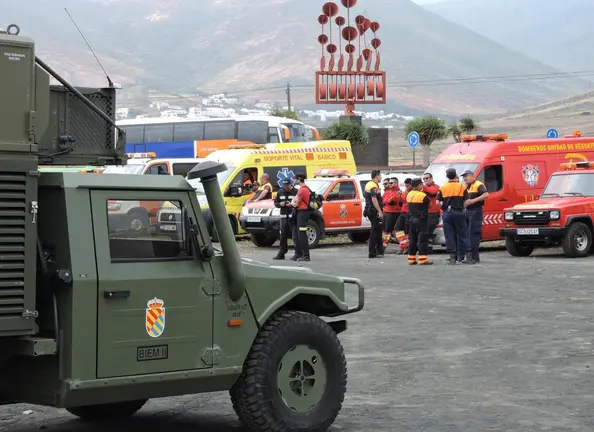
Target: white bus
[176, 137]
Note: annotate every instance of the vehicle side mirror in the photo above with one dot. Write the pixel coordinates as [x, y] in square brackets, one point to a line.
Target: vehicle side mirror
[190, 238]
[235, 190]
[332, 197]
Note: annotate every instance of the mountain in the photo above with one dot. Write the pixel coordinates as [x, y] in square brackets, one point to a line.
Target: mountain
[554, 32]
[181, 46]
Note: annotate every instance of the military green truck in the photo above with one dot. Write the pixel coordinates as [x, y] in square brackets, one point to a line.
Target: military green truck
[97, 319]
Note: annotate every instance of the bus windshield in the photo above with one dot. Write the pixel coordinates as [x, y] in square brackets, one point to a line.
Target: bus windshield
[297, 131]
[438, 170]
[124, 169]
[221, 177]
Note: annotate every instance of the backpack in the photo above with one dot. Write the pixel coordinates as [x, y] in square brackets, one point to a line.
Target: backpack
[315, 201]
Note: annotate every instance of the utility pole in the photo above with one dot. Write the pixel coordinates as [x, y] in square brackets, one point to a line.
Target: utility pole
[288, 91]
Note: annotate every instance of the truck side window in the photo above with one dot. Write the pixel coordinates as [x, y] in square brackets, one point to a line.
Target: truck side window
[158, 169]
[492, 177]
[145, 230]
[343, 191]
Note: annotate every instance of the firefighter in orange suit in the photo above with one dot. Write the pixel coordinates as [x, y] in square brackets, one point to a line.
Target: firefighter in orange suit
[418, 223]
[431, 189]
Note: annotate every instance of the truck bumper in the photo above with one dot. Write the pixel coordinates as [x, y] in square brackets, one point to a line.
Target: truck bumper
[544, 234]
[269, 226]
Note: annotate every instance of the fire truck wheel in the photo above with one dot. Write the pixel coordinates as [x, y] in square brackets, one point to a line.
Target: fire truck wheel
[518, 248]
[294, 377]
[107, 412]
[261, 240]
[313, 234]
[577, 241]
[138, 220]
[359, 236]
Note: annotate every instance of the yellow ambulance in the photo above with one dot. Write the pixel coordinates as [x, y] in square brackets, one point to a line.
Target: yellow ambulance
[279, 161]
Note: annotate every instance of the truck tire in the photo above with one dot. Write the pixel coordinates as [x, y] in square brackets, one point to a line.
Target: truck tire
[261, 240]
[313, 234]
[359, 236]
[137, 220]
[577, 241]
[518, 249]
[107, 412]
[294, 377]
[215, 236]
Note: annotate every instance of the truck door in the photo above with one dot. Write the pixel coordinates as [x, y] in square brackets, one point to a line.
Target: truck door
[153, 315]
[342, 208]
[492, 176]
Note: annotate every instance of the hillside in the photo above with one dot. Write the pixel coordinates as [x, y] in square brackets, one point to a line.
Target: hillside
[232, 45]
[524, 25]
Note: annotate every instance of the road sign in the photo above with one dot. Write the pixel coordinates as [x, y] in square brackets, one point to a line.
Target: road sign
[552, 133]
[413, 139]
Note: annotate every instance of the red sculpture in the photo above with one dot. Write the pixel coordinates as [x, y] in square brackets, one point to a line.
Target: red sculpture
[361, 81]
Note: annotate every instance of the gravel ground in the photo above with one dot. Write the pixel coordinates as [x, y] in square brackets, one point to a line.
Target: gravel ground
[501, 346]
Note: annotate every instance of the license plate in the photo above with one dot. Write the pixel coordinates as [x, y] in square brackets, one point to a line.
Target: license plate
[168, 227]
[254, 219]
[527, 231]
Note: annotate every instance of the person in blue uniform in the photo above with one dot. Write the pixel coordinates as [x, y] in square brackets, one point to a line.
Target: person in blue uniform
[451, 198]
[477, 194]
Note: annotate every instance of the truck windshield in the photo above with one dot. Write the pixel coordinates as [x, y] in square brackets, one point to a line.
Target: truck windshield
[438, 170]
[319, 186]
[123, 169]
[570, 184]
[221, 177]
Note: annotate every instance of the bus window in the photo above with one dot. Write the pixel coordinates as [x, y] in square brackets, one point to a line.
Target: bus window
[188, 132]
[158, 133]
[252, 131]
[182, 168]
[158, 169]
[273, 136]
[219, 130]
[134, 134]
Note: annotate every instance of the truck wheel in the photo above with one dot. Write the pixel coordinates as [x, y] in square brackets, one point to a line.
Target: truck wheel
[577, 241]
[518, 249]
[107, 412]
[294, 377]
[313, 234]
[138, 220]
[261, 240]
[359, 236]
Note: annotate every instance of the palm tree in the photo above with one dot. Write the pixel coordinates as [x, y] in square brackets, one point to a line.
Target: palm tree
[467, 125]
[455, 131]
[430, 129]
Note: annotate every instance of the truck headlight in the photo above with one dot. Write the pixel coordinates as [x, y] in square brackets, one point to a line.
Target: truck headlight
[113, 206]
[244, 211]
[509, 216]
[275, 212]
[555, 215]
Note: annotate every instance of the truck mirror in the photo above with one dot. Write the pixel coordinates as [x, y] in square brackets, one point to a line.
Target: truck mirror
[235, 190]
[332, 197]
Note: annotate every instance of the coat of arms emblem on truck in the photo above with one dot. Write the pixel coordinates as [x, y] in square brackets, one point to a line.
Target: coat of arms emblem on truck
[531, 173]
[155, 317]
